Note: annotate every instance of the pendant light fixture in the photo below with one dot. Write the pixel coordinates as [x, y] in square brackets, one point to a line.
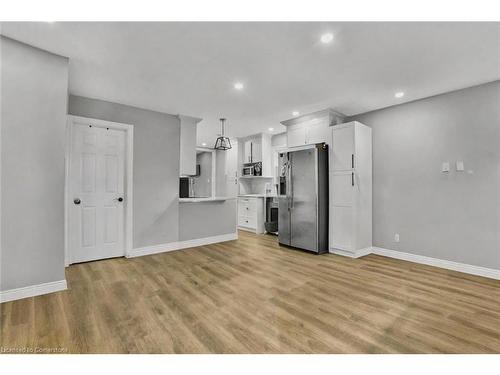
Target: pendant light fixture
[222, 143]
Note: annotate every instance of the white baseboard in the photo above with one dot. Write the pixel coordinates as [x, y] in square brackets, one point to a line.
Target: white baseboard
[32, 291]
[251, 230]
[449, 265]
[178, 245]
[356, 254]
[247, 229]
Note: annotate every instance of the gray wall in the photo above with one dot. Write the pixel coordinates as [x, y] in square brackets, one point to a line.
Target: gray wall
[453, 216]
[206, 219]
[156, 166]
[34, 89]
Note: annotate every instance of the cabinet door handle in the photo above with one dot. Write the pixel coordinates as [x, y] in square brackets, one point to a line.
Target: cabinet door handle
[352, 161]
[352, 178]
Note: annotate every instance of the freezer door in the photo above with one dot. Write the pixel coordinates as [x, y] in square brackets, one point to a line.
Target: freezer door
[283, 221]
[304, 199]
[284, 200]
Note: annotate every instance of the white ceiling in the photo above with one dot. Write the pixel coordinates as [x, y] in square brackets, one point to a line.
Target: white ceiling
[190, 68]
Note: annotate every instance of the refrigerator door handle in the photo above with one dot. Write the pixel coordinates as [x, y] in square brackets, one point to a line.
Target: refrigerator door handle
[288, 183]
[290, 172]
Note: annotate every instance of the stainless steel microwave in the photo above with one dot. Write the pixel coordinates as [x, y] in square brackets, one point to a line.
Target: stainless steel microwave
[248, 170]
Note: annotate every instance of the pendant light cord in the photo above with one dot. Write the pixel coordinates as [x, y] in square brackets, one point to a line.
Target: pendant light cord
[222, 121]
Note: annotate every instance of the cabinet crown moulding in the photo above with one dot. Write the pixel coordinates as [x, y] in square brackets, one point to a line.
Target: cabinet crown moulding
[333, 117]
[188, 118]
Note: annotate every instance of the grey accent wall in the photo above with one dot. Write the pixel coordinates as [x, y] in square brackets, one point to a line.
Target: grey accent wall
[34, 91]
[453, 216]
[156, 166]
[206, 219]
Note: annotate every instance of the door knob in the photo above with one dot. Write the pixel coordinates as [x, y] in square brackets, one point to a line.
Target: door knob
[120, 199]
[77, 201]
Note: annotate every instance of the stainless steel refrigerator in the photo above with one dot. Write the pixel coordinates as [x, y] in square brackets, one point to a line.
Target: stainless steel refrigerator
[303, 198]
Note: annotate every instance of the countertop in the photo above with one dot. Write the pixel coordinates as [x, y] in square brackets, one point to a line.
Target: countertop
[200, 200]
[256, 196]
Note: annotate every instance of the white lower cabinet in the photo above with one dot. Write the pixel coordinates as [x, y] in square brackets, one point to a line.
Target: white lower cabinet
[351, 190]
[248, 222]
[251, 214]
[342, 228]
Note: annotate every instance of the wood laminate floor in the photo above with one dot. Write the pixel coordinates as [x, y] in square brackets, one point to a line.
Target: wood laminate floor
[252, 296]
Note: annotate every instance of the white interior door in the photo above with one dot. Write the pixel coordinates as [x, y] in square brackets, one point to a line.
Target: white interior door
[96, 193]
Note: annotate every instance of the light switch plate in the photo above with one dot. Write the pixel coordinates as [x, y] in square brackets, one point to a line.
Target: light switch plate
[445, 167]
[460, 166]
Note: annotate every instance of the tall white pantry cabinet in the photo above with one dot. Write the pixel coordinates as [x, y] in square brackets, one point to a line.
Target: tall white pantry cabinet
[351, 189]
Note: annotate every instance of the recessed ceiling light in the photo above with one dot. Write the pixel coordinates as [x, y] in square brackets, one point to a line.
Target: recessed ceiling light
[238, 86]
[271, 129]
[399, 94]
[326, 38]
[295, 113]
[203, 144]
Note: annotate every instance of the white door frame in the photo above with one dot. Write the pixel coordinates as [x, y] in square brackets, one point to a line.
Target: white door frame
[129, 162]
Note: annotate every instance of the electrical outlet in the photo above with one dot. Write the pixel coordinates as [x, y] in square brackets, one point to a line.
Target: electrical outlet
[396, 237]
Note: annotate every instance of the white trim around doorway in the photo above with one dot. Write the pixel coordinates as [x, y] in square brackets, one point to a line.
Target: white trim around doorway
[214, 165]
[129, 162]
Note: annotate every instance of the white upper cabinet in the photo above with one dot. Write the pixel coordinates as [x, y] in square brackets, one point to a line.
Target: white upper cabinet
[247, 152]
[256, 148]
[256, 152]
[187, 160]
[342, 150]
[317, 133]
[252, 151]
[311, 128]
[296, 136]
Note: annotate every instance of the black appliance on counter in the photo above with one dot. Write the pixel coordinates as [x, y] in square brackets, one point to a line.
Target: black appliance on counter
[184, 187]
[186, 184]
